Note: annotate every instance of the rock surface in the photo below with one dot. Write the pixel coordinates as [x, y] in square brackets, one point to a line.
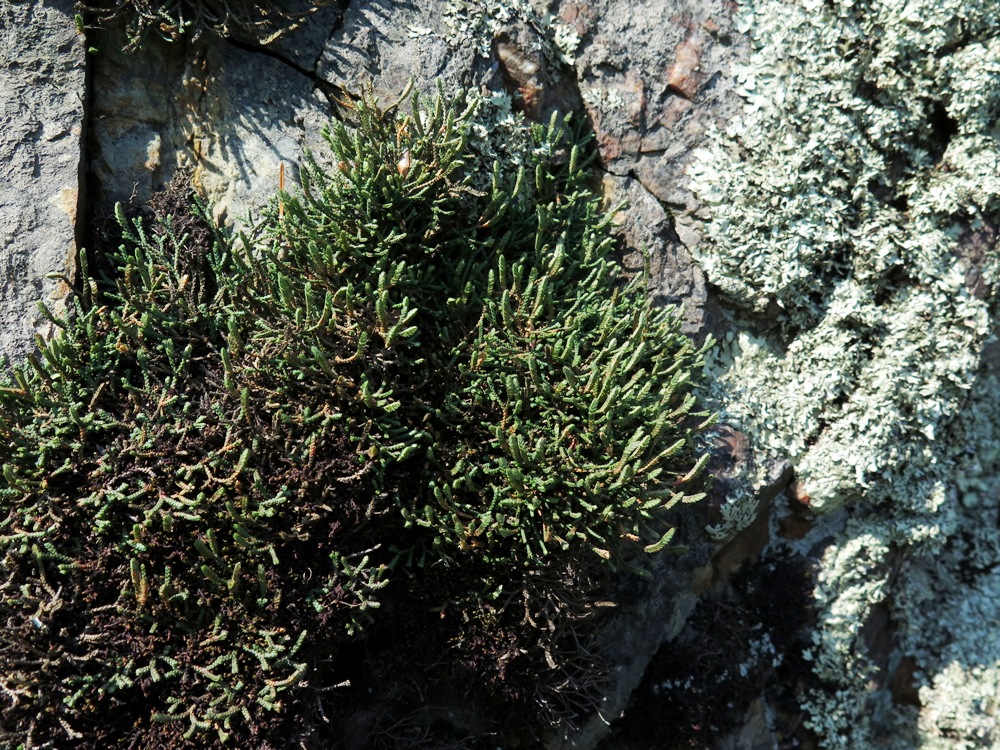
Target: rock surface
[888, 548]
[42, 95]
[236, 111]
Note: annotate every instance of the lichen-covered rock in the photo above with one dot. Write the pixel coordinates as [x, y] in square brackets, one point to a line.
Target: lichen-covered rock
[816, 184]
[849, 217]
[42, 94]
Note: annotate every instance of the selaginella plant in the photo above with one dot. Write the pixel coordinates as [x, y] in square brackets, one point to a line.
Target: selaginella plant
[261, 20]
[400, 416]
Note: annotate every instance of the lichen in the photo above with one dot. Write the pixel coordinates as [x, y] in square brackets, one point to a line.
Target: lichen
[605, 100]
[476, 23]
[841, 202]
[950, 592]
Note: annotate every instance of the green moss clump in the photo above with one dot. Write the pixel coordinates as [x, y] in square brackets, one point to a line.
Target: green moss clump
[400, 417]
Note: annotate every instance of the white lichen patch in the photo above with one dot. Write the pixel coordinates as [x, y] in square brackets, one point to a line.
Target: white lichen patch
[948, 601]
[498, 136]
[605, 100]
[475, 23]
[838, 202]
[962, 702]
[741, 504]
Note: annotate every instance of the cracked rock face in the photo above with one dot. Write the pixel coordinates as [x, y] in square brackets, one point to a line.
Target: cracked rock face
[42, 92]
[821, 365]
[236, 111]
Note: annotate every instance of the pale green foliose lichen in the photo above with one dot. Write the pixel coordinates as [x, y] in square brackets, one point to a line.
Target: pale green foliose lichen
[498, 133]
[741, 506]
[605, 100]
[842, 204]
[950, 609]
[477, 22]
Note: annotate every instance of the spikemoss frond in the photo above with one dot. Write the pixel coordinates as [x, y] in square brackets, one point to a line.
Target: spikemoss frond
[242, 456]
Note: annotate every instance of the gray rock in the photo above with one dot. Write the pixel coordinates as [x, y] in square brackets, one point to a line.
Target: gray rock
[648, 234]
[230, 113]
[42, 92]
[654, 76]
[236, 111]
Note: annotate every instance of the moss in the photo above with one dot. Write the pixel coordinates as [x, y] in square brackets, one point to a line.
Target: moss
[401, 431]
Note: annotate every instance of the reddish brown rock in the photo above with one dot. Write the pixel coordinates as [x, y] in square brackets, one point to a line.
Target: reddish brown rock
[684, 76]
